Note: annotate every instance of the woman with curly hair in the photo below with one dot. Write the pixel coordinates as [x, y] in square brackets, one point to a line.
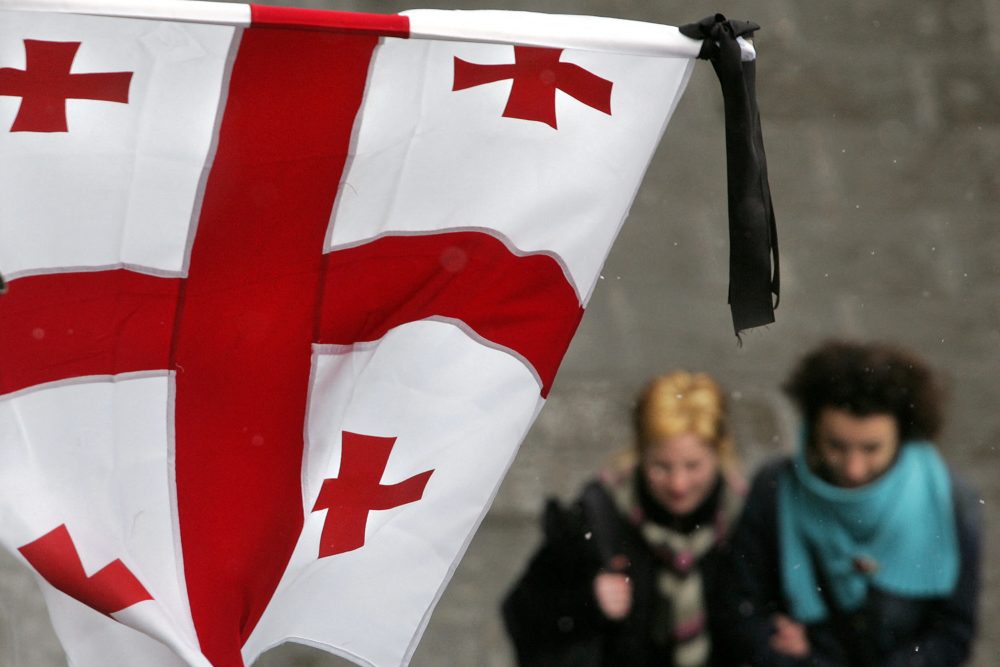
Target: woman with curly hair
[863, 549]
[627, 574]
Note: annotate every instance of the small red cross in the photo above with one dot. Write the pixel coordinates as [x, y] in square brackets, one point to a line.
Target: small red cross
[359, 490]
[45, 84]
[537, 74]
[110, 589]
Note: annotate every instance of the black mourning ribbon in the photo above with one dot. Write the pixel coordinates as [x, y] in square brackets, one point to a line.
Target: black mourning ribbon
[753, 236]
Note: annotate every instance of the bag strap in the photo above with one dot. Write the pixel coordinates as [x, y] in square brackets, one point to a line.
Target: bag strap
[606, 527]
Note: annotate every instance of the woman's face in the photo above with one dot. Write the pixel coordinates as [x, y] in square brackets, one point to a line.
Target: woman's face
[852, 450]
[680, 472]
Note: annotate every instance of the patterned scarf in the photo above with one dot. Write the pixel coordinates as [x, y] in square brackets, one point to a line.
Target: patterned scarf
[680, 616]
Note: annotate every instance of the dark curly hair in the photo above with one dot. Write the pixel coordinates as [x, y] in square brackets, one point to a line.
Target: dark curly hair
[867, 379]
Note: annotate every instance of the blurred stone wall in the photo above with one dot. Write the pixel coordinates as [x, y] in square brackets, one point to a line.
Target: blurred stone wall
[882, 127]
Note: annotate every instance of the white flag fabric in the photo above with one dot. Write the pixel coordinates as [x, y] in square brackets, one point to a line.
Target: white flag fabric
[284, 302]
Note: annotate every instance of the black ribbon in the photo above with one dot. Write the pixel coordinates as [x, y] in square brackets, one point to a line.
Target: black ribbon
[3, 285]
[753, 238]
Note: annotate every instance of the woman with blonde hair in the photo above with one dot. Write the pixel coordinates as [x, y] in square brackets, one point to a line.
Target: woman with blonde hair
[630, 573]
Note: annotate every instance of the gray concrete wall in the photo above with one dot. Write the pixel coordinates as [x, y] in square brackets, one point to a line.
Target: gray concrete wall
[882, 125]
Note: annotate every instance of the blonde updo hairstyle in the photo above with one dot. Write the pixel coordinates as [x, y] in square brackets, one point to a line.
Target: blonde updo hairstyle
[682, 402]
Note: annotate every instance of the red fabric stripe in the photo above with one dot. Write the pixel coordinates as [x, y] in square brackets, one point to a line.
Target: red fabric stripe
[248, 312]
[385, 25]
[520, 302]
[59, 326]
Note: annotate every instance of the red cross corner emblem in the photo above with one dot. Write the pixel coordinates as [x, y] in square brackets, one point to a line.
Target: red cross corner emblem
[537, 73]
[46, 83]
[110, 589]
[359, 490]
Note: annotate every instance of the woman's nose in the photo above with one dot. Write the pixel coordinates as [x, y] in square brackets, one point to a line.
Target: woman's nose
[855, 468]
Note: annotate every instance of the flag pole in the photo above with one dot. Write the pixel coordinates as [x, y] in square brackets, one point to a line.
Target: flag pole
[502, 27]
[186, 11]
[555, 31]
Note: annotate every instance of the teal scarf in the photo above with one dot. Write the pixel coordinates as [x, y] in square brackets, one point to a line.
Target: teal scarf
[901, 525]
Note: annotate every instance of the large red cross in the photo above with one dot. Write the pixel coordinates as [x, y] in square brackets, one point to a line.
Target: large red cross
[359, 490]
[45, 84]
[537, 74]
[236, 332]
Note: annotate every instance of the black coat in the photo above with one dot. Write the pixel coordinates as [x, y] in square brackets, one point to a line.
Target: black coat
[552, 614]
[888, 631]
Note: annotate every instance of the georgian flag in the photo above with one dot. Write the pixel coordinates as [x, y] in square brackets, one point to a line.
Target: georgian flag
[283, 302]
